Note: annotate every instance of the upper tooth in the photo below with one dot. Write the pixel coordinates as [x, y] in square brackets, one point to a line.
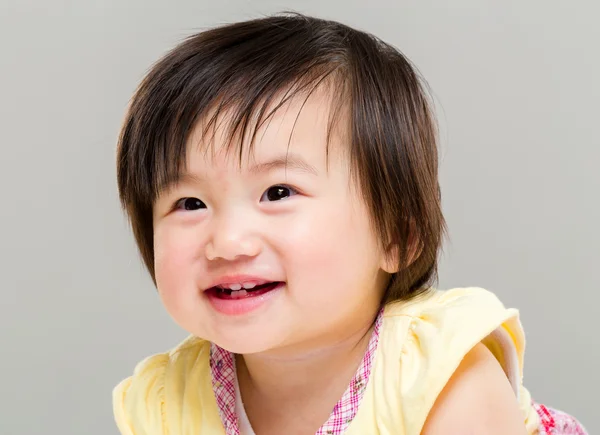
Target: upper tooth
[239, 286]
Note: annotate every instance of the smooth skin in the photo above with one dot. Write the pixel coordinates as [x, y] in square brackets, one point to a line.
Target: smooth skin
[477, 400]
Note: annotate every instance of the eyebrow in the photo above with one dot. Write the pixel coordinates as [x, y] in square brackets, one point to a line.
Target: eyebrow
[289, 161]
[181, 178]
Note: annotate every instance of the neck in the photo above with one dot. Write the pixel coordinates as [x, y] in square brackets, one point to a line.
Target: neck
[300, 381]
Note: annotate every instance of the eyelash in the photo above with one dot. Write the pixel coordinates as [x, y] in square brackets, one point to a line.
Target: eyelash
[293, 192]
[283, 186]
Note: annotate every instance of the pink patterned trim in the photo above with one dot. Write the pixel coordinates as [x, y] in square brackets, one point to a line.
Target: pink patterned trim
[554, 422]
[222, 366]
[345, 409]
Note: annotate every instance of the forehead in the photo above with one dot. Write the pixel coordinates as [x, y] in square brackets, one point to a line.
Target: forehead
[308, 126]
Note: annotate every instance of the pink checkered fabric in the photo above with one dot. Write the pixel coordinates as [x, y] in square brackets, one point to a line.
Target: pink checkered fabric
[222, 366]
[345, 410]
[554, 422]
[222, 369]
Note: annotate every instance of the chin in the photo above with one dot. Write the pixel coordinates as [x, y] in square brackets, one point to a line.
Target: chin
[246, 343]
[243, 347]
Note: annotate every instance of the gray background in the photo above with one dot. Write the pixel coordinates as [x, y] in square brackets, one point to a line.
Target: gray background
[518, 88]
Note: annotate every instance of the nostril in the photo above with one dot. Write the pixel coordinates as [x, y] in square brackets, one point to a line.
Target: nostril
[232, 248]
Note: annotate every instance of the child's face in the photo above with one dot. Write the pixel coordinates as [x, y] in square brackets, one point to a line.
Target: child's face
[303, 225]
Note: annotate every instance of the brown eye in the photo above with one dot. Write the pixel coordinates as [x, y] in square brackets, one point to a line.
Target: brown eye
[277, 193]
[190, 204]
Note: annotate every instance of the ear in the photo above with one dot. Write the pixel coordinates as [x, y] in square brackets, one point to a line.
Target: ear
[390, 262]
[391, 256]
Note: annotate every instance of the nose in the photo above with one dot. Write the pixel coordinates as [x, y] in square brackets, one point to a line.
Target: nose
[233, 239]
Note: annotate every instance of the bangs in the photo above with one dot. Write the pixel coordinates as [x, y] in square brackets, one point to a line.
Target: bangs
[239, 122]
[194, 87]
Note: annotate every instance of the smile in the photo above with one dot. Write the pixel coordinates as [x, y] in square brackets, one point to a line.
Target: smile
[240, 291]
[242, 298]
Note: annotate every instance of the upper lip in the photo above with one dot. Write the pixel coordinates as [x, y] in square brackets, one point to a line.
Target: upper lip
[239, 279]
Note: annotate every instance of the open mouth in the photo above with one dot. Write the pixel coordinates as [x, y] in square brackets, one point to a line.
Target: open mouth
[228, 293]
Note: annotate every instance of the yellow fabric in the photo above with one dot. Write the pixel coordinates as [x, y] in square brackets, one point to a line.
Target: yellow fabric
[420, 346]
[169, 394]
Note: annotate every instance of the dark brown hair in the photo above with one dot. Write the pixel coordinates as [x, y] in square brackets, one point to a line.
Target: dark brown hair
[241, 68]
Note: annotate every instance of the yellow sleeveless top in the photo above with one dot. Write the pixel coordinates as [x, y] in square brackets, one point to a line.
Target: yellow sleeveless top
[421, 344]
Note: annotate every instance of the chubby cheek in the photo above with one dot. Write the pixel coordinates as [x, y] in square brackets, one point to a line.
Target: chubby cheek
[330, 256]
[175, 272]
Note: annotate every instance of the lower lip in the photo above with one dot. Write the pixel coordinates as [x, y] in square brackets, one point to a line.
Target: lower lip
[244, 305]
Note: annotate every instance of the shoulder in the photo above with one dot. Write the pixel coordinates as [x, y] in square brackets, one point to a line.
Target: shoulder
[140, 401]
[455, 320]
[443, 332]
[476, 399]
[139, 398]
[448, 302]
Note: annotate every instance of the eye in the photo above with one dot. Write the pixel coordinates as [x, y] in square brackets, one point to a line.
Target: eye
[189, 204]
[277, 193]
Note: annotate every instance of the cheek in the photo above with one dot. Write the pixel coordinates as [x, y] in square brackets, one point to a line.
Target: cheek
[174, 261]
[332, 247]
[177, 275]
